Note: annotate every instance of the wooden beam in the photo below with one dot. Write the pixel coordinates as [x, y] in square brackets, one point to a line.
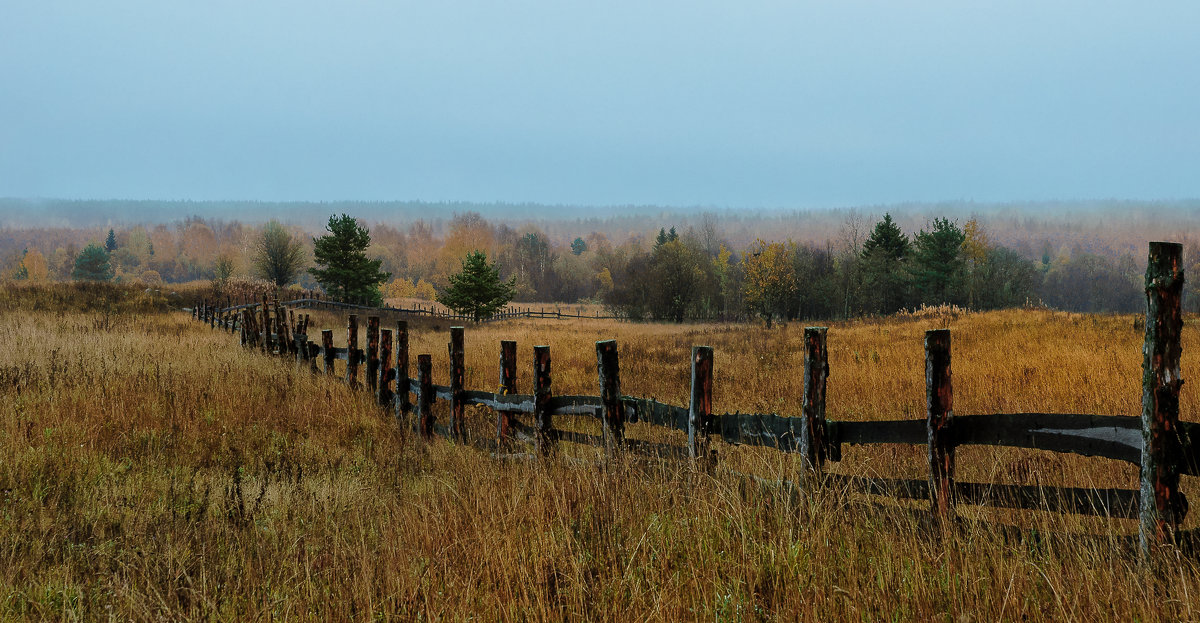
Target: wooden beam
[812, 406]
[1162, 505]
[384, 386]
[425, 397]
[372, 353]
[457, 373]
[327, 350]
[609, 371]
[403, 406]
[508, 387]
[939, 401]
[541, 399]
[352, 351]
[700, 407]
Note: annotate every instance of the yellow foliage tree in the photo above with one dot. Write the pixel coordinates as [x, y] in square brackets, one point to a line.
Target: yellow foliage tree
[770, 279]
[34, 266]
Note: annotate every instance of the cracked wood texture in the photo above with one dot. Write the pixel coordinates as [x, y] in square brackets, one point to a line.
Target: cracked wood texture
[372, 353]
[609, 372]
[812, 409]
[1162, 505]
[403, 406]
[700, 411]
[939, 401]
[384, 388]
[457, 375]
[541, 399]
[508, 387]
[426, 395]
[351, 351]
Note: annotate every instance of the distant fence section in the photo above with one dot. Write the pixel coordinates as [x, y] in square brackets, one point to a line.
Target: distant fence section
[1158, 443]
[314, 301]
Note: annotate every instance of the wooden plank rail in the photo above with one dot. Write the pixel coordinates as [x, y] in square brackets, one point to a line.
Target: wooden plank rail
[1163, 447]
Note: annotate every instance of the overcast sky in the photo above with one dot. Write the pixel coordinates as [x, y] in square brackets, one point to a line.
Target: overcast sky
[755, 104]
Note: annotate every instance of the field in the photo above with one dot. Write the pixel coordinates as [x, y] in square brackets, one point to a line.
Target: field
[154, 469]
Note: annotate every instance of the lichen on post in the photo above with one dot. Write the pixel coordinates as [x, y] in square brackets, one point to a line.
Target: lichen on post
[1162, 506]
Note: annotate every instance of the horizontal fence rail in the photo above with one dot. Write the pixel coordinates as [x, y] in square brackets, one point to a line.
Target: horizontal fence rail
[313, 302]
[1157, 442]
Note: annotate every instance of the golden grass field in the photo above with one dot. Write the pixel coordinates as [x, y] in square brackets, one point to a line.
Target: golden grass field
[154, 470]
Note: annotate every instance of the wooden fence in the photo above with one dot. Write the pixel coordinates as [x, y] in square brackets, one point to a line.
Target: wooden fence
[1157, 442]
[227, 314]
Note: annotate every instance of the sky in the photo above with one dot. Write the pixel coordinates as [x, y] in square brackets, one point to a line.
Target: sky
[724, 104]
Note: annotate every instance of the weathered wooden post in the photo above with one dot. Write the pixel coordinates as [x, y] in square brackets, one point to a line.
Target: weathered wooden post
[541, 400]
[327, 350]
[425, 396]
[352, 351]
[266, 326]
[610, 395]
[1162, 505]
[281, 330]
[508, 386]
[385, 368]
[372, 353]
[700, 409]
[812, 407]
[403, 406]
[939, 401]
[457, 372]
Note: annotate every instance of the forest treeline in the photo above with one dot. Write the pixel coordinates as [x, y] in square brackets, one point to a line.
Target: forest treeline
[661, 270]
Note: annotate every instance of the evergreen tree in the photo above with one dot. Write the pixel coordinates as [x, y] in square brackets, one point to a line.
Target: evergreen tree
[883, 254]
[92, 265]
[477, 290]
[110, 243]
[578, 246]
[937, 265]
[347, 274]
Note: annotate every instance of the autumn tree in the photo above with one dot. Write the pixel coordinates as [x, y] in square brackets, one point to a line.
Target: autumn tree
[278, 256]
[346, 273]
[975, 247]
[477, 289]
[770, 280]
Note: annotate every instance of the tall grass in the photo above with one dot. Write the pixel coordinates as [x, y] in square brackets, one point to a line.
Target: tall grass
[153, 469]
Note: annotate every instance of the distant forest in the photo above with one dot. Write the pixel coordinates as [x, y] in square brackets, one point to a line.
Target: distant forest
[650, 262]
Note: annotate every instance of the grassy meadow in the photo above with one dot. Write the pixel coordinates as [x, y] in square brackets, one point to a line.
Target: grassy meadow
[154, 470]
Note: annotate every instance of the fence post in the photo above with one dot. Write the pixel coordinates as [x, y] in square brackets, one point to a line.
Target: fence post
[1162, 506]
[610, 394]
[385, 368]
[508, 386]
[266, 327]
[700, 409]
[425, 396]
[541, 400]
[812, 409]
[327, 350]
[403, 406]
[939, 401]
[457, 372]
[372, 353]
[352, 351]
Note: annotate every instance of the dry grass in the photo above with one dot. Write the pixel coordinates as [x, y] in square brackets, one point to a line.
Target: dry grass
[155, 470]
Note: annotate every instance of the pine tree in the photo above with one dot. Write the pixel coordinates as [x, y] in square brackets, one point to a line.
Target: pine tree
[110, 243]
[347, 273]
[92, 265]
[578, 246]
[477, 290]
[937, 268]
[883, 254]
